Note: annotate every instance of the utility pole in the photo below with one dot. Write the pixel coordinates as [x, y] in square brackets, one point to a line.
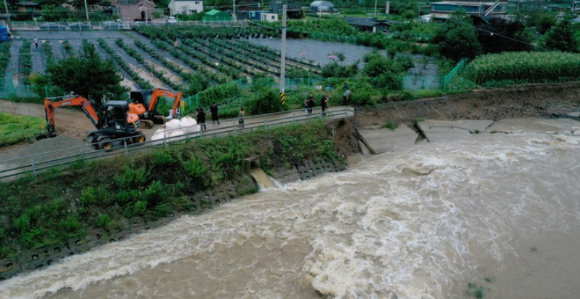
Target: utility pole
[375, 8]
[6, 7]
[87, 11]
[283, 58]
[234, 14]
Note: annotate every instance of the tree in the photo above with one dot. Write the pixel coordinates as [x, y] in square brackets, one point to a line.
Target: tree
[88, 75]
[502, 35]
[561, 37]
[460, 43]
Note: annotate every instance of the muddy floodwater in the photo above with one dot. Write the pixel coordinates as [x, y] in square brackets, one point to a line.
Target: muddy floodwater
[496, 214]
[317, 51]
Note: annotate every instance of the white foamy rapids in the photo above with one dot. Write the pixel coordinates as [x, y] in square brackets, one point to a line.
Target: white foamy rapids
[420, 224]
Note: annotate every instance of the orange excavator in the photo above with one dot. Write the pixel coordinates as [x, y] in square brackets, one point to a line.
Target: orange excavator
[144, 103]
[114, 123]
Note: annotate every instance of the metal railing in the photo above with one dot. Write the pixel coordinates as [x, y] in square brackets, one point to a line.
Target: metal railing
[35, 164]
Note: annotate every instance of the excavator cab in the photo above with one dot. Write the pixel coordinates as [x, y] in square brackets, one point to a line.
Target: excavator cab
[142, 97]
[116, 117]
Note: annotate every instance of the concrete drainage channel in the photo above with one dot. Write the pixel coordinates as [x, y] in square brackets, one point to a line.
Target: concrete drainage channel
[378, 140]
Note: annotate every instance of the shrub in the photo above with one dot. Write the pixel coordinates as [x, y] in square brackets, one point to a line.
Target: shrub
[132, 178]
[263, 102]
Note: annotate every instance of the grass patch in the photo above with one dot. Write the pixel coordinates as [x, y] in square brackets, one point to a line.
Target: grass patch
[391, 126]
[15, 129]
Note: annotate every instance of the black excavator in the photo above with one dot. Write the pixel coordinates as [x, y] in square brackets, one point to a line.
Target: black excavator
[113, 122]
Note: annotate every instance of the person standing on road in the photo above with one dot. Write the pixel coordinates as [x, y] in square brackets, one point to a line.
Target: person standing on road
[36, 42]
[214, 113]
[324, 102]
[241, 117]
[201, 118]
[309, 103]
[345, 97]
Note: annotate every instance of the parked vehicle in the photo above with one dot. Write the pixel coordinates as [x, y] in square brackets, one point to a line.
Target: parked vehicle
[80, 26]
[4, 35]
[52, 26]
[111, 25]
[171, 20]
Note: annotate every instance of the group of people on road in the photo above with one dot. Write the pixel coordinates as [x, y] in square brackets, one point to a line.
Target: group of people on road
[201, 115]
[215, 117]
[309, 102]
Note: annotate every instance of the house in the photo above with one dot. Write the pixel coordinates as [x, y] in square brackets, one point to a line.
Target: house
[185, 7]
[27, 6]
[369, 24]
[217, 15]
[444, 10]
[293, 9]
[136, 10]
[263, 16]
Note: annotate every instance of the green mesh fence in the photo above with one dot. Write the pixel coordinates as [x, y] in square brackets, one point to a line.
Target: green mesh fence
[454, 72]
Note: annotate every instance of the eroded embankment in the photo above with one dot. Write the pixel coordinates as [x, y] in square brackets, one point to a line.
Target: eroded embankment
[535, 100]
[69, 211]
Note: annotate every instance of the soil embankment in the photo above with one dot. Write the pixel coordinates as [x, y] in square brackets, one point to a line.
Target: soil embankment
[535, 100]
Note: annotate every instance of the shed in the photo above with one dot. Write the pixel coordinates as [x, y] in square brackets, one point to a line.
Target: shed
[368, 24]
[217, 15]
[322, 6]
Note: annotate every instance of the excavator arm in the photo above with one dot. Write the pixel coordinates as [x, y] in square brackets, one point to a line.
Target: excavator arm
[158, 93]
[76, 101]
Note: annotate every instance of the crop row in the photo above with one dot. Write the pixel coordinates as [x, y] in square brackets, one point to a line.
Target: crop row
[190, 77]
[4, 57]
[201, 46]
[276, 53]
[48, 53]
[68, 48]
[133, 53]
[174, 32]
[264, 57]
[228, 66]
[206, 71]
[525, 67]
[120, 62]
[25, 61]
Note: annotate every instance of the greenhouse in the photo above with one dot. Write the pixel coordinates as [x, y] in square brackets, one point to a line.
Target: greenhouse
[323, 6]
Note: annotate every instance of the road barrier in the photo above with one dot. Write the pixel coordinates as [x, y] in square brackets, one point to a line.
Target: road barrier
[35, 164]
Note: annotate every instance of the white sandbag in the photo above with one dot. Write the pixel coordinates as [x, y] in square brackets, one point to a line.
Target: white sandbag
[173, 124]
[175, 135]
[188, 121]
[159, 134]
[189, 125]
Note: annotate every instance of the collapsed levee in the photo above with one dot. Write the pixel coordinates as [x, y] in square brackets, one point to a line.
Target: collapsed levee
[69, 211]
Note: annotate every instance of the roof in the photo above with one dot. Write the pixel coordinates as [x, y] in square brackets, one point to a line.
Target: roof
[27, 3]
[368, 22]
[321, 3]
[213, 12]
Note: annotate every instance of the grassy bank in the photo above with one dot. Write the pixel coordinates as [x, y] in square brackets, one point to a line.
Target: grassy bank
[15, 129]
[69, 206]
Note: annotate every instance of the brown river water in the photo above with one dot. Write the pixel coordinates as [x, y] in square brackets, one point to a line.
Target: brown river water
[498, 211]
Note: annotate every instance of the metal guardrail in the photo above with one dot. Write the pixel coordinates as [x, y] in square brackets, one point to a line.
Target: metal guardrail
[34, 164]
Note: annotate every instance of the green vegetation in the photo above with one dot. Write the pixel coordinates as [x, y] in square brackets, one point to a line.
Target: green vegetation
[102, 196]
[522, 67]
[15, 129]
[140, 81]
[475, 291]
[391, 126]
[4, 56]
[25, 61]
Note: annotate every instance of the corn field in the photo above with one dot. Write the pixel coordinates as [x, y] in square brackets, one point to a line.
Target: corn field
[525, 67]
